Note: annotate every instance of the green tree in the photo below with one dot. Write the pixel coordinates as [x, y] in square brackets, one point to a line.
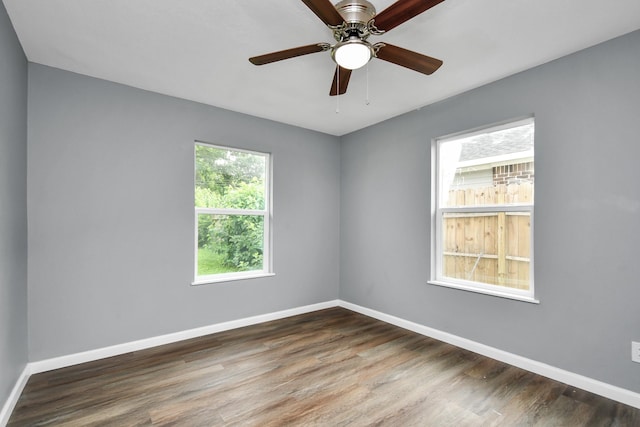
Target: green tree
[240, 237]
[221, 170]
[231, 179]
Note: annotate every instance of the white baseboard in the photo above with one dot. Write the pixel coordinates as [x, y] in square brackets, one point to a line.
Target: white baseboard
[115, 350]
[8, 406]
[603, 389]
[609, 391]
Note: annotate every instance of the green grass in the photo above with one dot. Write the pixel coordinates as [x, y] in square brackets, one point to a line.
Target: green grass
[209, 262]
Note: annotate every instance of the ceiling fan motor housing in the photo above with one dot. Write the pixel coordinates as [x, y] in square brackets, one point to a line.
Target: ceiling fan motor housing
[356, 11]
[356, 15]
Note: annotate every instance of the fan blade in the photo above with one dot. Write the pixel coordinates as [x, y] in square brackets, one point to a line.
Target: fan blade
[326, 11]
[401, 11]
[416, 61]
[288, 53]
[341, 79]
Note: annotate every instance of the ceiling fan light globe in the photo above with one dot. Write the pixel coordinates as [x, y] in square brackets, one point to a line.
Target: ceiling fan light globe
[352, 54]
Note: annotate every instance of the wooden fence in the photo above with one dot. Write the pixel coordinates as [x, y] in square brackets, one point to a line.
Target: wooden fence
[497, 194]
[492, 247]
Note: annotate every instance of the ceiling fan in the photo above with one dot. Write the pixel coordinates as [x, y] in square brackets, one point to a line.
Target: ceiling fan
[352, 22]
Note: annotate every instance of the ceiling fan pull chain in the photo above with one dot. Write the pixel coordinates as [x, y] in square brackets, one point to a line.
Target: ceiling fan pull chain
[338, 91]
[366, 101]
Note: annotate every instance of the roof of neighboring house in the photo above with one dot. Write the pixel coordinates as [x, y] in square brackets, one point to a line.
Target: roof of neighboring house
[497, 144]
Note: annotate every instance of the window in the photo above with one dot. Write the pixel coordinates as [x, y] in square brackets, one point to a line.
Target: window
[232, 214]
[483, 210]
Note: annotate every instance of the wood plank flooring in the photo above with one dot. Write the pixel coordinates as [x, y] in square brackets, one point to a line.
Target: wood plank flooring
[332, 367]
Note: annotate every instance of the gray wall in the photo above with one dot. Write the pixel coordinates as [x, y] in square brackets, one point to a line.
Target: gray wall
[587, 215]
[110, 193]
[110, 181]
[13, 207]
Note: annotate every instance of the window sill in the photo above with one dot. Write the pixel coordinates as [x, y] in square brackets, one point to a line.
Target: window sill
[490, 292]
[209, 280]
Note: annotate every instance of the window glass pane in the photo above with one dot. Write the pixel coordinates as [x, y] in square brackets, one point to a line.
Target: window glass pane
[230, 243]
[491, 248]
[229, 178]
[490, 168]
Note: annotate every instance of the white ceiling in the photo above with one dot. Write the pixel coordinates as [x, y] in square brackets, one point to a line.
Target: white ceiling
[198, 50]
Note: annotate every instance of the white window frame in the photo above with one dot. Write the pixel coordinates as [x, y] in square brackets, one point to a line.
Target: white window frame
[266, 213]
[438, 212]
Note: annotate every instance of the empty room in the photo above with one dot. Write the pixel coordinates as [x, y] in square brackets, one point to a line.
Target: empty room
[317, 213]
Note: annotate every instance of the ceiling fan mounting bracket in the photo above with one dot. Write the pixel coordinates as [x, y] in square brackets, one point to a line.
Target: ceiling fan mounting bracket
[376, 47]
[371, 27]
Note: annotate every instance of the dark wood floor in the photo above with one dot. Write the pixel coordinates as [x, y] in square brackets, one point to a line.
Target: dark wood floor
[328, 368]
